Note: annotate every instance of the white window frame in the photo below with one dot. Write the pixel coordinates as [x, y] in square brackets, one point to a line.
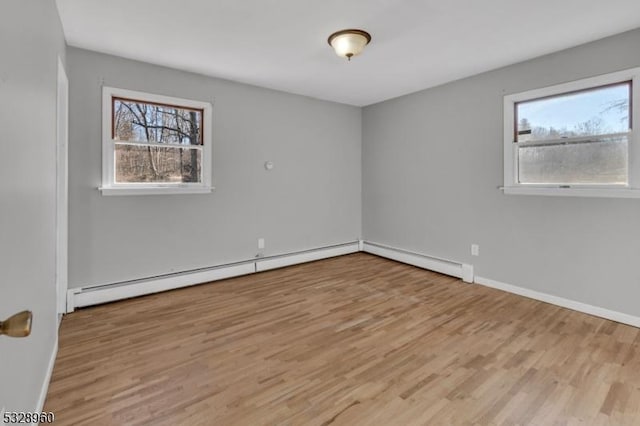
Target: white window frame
[111, 187]
[631, 190]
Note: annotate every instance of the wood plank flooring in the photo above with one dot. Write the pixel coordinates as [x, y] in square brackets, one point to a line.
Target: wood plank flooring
[354, 340]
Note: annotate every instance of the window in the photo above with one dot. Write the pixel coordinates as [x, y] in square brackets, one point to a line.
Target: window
[154, 144]
[574, 138]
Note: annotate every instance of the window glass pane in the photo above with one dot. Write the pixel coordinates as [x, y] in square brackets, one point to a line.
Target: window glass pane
[139, 163]
[140, 121]
[597, 111]
[602, 161]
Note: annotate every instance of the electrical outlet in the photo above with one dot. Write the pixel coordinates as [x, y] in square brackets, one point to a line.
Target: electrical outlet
[260, 243]
[475, 250]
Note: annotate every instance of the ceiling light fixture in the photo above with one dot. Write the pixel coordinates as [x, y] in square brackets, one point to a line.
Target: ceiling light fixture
[348, 43]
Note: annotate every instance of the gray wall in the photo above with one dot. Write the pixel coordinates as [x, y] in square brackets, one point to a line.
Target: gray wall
[30, 41]
[311, 198]
[431, 164]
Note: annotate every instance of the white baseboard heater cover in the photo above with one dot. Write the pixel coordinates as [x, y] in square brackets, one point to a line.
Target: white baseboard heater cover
[94, 295]
[108, 293]
[455, 269]
[81, 297]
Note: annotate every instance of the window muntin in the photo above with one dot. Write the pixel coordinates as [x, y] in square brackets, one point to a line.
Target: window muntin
[155, 143]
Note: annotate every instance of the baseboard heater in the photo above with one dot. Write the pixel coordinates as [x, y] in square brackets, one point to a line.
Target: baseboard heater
[94, 295]
[448, 267]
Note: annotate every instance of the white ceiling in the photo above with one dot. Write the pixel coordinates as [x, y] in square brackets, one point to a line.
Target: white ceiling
[282, 44]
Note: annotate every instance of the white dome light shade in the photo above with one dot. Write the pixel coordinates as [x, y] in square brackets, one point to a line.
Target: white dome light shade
[348, 43]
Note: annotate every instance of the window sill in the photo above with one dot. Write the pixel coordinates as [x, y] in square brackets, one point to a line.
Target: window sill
[155, 190]
[573, 192]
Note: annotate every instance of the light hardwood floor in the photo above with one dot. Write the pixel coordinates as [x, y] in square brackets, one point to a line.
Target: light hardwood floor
[346, 341]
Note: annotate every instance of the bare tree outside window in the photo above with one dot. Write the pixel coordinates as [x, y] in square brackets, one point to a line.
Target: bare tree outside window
[156, 142]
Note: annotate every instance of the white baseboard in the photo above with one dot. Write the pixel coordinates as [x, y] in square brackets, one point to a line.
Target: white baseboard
[88, 296]
[47, 379]
[561, 301]
[265, 264]
[448, 267]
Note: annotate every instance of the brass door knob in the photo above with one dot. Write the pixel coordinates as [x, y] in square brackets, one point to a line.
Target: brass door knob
[18, 325]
